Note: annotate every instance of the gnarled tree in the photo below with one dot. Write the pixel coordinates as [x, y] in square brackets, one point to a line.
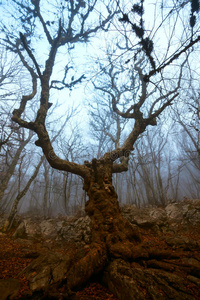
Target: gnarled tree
[112, 235]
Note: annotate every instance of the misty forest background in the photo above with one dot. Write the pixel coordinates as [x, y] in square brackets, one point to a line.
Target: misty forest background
[165, 163]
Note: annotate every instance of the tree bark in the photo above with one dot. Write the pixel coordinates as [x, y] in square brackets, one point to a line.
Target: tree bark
[112, 235]
[108, 225]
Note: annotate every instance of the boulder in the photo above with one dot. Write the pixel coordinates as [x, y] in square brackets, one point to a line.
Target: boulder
[187, 212]
[77, 230]
[147, 217]
[46, 270]
[27, 228]
[174, 212]
[32, 228]
[20, 232]
[48, 228]
[192, 215]
[158, 214]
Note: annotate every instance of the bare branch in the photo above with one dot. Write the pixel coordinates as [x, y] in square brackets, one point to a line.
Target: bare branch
[24, 42]
[152, 116]
[135, 107]
[174, 57]
[55, 83]
[152, 119]
[83, 36]
[144, 85]
[37, 8]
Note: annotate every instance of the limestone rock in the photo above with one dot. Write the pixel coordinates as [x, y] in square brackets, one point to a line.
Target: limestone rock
[174, 212]
[192, 215]
[45, 270]
[76, 231]
[27, 228]
[187, 212]
[20, 232]
[158, 214]
[48, 228]
[144, 217]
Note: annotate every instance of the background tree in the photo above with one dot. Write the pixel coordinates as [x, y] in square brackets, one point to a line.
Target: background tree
[12, 140]
[12, 162]
[187, 117]
[22, 193]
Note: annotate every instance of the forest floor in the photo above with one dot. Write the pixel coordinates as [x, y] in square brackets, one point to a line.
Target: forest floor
[16, 254]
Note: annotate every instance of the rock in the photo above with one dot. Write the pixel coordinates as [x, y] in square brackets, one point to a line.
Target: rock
[47, 269]
[146, 217]
[187, 211]
[76, 231]
[174, 212]
[158, 213]
[144, 222]
[27, 228]
[59, 225]
[20, 232]
[193, 215]
[9, 288]
[32, 228]
[48, 229]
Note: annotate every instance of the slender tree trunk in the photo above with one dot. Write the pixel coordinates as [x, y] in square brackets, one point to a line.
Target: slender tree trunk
[46, 188]
[8, 223]
[67, 184]
[12, 166]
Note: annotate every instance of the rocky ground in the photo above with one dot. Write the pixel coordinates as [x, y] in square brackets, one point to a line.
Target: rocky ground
[173, 231]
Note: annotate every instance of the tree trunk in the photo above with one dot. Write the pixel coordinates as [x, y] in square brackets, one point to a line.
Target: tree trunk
[46, 189]
[12, 166]
[109, 227]
[8, 223]
[112, 235]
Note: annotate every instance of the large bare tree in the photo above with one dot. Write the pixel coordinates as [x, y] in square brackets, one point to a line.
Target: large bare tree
[112, 235]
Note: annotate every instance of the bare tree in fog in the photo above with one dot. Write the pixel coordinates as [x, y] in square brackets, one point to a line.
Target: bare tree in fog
[112, 236]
